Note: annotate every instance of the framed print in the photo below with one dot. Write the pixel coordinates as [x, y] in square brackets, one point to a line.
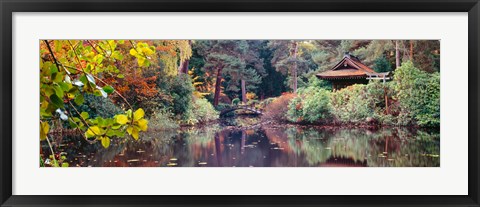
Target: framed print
[195, 103]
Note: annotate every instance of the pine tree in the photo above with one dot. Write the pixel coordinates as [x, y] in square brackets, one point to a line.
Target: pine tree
[232, 59]
[287, 61]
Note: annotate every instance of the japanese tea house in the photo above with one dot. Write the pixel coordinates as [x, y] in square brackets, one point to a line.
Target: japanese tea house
[350, 70]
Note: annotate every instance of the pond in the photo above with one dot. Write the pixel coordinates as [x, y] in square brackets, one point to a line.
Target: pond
[261, 146]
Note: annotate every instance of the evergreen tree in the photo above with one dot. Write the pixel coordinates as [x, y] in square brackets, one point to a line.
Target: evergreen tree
[287, 61]
[381, 64]
[231, 60]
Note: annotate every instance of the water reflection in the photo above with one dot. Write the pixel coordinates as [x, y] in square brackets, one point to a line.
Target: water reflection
[267, 146]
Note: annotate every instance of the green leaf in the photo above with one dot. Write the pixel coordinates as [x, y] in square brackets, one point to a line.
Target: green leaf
[65, 164]
[79, 99]
[58, 45]
[64, 86]
[53, 69]
[117, 55]
[108, 89]
[59, 77]
[116, 126]
[84, 115]
[58, 102]
[83, 79]
[58, 91]
[97, 93]
[98, 58]
[72, 124]
[120, 76]
[105, 142]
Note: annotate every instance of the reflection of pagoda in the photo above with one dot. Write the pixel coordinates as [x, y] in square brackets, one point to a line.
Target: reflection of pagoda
[343, 162]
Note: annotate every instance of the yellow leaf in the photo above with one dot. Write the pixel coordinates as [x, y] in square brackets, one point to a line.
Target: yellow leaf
[139, 113]
[129, 130]
[141, 61]
[92, 131]
[44, 128]
[105, 142]
[121, 119]
[135, 133]
[143, 124]
[133, 52]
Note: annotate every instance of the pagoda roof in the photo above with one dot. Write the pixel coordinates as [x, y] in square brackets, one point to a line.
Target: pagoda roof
[349, 67]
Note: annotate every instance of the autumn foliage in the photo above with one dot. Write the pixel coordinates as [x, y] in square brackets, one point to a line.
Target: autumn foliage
[278, 107]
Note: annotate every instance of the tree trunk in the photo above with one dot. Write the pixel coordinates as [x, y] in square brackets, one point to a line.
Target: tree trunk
[294, 70]
[411, 50]
[244, 92]
[183, 68]
[218, 83]
[397, 55]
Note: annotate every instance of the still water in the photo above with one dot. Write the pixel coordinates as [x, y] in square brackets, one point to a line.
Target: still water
[265, 146]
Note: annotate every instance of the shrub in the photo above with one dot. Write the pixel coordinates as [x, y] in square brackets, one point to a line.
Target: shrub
[419, 95]
[162, 119]
[181, 92]
[222, 106]
[313, 81]
[235, 101]
[204, 111]
[254, 103]
[251, 96]
[311, 105]
[352, 104]
[266, 102]
[99, 106]
[278, 108]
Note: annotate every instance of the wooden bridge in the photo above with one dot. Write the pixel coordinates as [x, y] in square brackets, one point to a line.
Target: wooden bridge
[241, 107]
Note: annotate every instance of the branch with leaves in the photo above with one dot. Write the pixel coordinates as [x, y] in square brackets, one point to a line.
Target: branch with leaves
[73, 70]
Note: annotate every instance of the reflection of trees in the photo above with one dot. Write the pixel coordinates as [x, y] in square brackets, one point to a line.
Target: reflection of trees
[198, 144]
[309, 143]
[384, 147]
[409, 148]
[269, 146]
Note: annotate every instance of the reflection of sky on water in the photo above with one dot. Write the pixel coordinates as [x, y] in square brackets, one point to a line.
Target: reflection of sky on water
[268, 146]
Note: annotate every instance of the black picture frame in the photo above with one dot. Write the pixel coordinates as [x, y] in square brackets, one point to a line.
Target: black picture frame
[7, 7]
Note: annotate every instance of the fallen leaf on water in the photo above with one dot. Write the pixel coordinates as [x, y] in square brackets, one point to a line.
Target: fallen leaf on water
[133, 160]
